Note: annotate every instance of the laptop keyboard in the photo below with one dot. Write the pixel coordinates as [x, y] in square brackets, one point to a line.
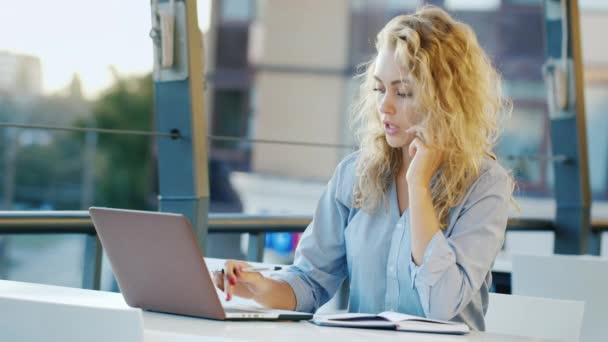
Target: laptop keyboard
[243, 310]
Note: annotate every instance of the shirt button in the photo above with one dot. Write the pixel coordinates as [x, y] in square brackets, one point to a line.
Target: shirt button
[391, 269]
[399, 225]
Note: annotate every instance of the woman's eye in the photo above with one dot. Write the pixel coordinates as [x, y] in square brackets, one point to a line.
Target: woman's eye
[405, 94]
[378, 90]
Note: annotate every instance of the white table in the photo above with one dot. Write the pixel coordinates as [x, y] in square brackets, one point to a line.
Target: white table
[66, 314]
[171, 328]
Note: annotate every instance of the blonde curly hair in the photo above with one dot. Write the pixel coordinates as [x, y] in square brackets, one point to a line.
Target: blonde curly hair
[458, 92]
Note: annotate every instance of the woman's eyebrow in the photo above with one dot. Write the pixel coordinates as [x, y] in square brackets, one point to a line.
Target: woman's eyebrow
[404, 81]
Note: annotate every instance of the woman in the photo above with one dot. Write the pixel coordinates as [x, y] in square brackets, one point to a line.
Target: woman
[416, 217]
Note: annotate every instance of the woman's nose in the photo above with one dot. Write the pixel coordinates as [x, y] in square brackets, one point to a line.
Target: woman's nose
[386, 107]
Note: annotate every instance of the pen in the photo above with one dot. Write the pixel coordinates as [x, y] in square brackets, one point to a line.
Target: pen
[259, 269]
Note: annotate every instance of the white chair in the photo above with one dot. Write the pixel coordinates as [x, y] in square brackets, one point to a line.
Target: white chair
[534, 317]
[36, 312]
[571, 277]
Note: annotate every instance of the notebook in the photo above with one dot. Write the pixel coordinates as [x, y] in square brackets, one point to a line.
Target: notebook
[391, 320]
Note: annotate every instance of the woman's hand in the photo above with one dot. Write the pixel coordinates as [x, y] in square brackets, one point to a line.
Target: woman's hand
[425, 160]
[234, 281]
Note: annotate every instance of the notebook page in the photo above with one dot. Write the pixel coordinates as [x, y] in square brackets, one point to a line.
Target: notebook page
[400, 317]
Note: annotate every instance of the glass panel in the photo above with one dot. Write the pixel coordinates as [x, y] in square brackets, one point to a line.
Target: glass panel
[85, 70]
[47, 259]
[472, 5]
[593, 5]
[281, 96]
[238, 10]
[594, 17]
[510, 31]
[596, 106]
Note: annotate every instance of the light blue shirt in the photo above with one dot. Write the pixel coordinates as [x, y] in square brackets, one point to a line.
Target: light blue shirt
[374, 251]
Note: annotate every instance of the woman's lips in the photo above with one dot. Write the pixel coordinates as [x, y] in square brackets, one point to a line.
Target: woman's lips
[391, 129]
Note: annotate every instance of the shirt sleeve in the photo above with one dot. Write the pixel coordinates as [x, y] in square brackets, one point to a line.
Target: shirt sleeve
[320, 259]
[454, 268]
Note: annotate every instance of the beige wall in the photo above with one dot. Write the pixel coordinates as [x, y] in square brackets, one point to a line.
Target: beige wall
[594, 26]
[300, 106]
[290, 37]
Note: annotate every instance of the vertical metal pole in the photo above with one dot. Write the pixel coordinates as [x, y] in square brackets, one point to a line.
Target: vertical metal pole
[178, 94]
[91, 270]
[88, 171]
[595, 243]
[255, 251]
[10, 166]
[564, 79]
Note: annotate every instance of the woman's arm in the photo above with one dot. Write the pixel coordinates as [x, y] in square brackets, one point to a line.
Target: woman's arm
[453, 269]
[320, 259]
[447, 272]
[279, 296]
[424, 221]
[424, 164]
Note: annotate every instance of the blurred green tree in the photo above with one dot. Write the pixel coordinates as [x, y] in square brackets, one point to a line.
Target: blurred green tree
[123, 166]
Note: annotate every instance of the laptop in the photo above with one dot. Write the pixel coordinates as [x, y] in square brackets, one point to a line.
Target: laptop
[159, 266]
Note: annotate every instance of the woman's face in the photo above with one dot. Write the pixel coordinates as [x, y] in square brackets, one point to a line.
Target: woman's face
[395, 100]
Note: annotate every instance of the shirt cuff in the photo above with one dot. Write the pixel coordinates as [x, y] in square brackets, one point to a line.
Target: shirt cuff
[438, 256]
[304, 298]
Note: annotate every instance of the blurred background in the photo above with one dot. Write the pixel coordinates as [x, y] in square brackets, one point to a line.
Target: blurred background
[275, 69]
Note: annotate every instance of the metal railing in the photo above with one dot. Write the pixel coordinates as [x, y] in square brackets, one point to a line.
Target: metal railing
[79, 222]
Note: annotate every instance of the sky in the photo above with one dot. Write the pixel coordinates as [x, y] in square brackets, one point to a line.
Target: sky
[82, 36]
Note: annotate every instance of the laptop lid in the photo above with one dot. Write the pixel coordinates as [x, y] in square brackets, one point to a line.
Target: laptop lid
[157, 262]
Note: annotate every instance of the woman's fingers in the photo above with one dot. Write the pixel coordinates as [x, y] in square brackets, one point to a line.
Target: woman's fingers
[232, 280]
[218, 277]
[414, 147]
[232, 274]
[418, 132]
[229, 278]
